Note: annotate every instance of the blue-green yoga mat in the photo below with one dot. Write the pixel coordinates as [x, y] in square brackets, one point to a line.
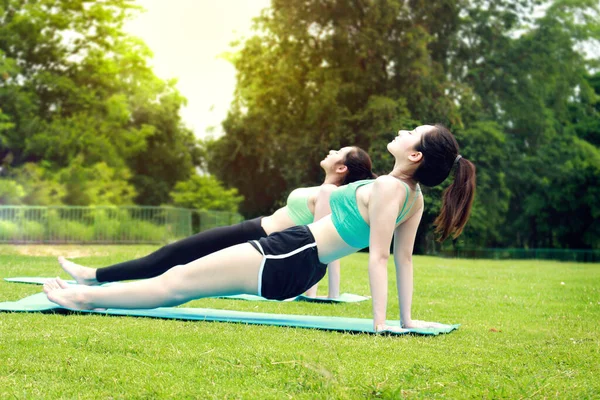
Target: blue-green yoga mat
[344, 297]
[40, 303]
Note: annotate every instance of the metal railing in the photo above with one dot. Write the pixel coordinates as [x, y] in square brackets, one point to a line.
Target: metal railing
[207, 219]
[577, 255]
[104, 224]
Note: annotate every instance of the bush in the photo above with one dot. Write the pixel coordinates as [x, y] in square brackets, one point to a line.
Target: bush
[8, 231]
[33, 231]
[147, 231]
[106, 229]
[66, 230]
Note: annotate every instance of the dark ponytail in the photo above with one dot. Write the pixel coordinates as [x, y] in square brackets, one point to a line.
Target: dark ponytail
[359, 166]
[440, 154]
[457, 201]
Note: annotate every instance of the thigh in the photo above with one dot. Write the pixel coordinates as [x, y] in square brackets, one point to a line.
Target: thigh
[233, 270]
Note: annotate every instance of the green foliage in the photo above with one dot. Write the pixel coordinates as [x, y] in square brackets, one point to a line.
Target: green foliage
[11, 193]
[96, 184]
[84, 120]
[511, 78]
[485, 144]
[93, 224]
[561, 208]
[8, 230]
[382, 118]
[76, 90]
[205, 193]
[66, 230]
[148, 232]
[585, 113]
[40, 186]
[65, 227]
[106, 226]
[32, 231]
[76, 184]
[322, 75]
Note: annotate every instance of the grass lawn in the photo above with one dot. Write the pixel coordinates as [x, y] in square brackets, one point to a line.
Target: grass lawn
[529, 330]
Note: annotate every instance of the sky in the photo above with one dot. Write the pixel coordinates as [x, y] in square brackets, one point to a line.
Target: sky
[186, 37]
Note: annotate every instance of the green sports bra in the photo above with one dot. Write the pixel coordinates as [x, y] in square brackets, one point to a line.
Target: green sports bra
[297, 206]
[347, 219]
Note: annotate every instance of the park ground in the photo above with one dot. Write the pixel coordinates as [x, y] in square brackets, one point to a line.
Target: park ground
[529, 329]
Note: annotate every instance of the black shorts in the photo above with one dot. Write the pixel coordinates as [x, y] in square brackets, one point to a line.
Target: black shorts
[290, 263]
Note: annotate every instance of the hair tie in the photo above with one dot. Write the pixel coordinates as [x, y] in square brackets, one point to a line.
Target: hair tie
[458, 157]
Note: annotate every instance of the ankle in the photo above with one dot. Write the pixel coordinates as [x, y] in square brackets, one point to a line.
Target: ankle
[90, 274]
[82, 300]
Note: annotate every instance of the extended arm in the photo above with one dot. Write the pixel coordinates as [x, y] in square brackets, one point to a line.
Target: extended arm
[404, 241]
[322, 208]
[334, 273]
[384, 204]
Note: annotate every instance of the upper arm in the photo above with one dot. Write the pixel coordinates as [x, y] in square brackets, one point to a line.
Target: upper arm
[322, 207]
[405, 234]
[384, 204]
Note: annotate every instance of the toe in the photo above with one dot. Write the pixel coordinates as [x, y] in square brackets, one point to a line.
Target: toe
[62, 284]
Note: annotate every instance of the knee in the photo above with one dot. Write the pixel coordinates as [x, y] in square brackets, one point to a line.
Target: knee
[164, 253]
[173, 283]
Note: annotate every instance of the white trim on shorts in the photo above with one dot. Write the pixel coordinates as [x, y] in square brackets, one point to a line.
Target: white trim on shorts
[276, 257]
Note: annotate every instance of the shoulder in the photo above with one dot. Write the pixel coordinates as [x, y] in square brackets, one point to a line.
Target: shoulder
[387, 184]
[326, 188]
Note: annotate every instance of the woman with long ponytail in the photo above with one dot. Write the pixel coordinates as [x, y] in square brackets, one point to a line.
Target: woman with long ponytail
[365, 213]
[441, 155]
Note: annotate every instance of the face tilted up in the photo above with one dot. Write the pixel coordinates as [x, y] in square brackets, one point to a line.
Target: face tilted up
[334, 159]
[404, 145]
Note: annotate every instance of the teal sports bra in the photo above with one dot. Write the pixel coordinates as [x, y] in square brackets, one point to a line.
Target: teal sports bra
[347, 219]
[297, 206]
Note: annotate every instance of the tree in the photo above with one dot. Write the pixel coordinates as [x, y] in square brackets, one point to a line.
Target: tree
[585, 111]
[40, 187]
[205, 193]
[323, 74]
[524, 70]
[76, 87]
[508, 76]
[11, 193]
[485, 144]
[97, 184]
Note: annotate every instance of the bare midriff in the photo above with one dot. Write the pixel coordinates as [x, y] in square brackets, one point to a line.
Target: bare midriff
[279, 221]
[330, 244]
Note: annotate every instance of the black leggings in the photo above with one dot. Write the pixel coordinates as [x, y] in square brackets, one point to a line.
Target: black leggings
[183, 252]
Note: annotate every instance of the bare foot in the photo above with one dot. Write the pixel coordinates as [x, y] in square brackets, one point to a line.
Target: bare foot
[50, 285]
[82, 275]
[63, 294]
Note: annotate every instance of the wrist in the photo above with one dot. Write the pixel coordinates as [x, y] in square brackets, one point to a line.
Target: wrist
[378, 322]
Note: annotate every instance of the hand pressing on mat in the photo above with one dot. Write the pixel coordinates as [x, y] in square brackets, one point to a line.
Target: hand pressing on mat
[388, 328]
[416, 324]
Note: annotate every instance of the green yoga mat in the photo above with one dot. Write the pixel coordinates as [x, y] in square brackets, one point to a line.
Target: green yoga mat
[344, 297]
[40, 303]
